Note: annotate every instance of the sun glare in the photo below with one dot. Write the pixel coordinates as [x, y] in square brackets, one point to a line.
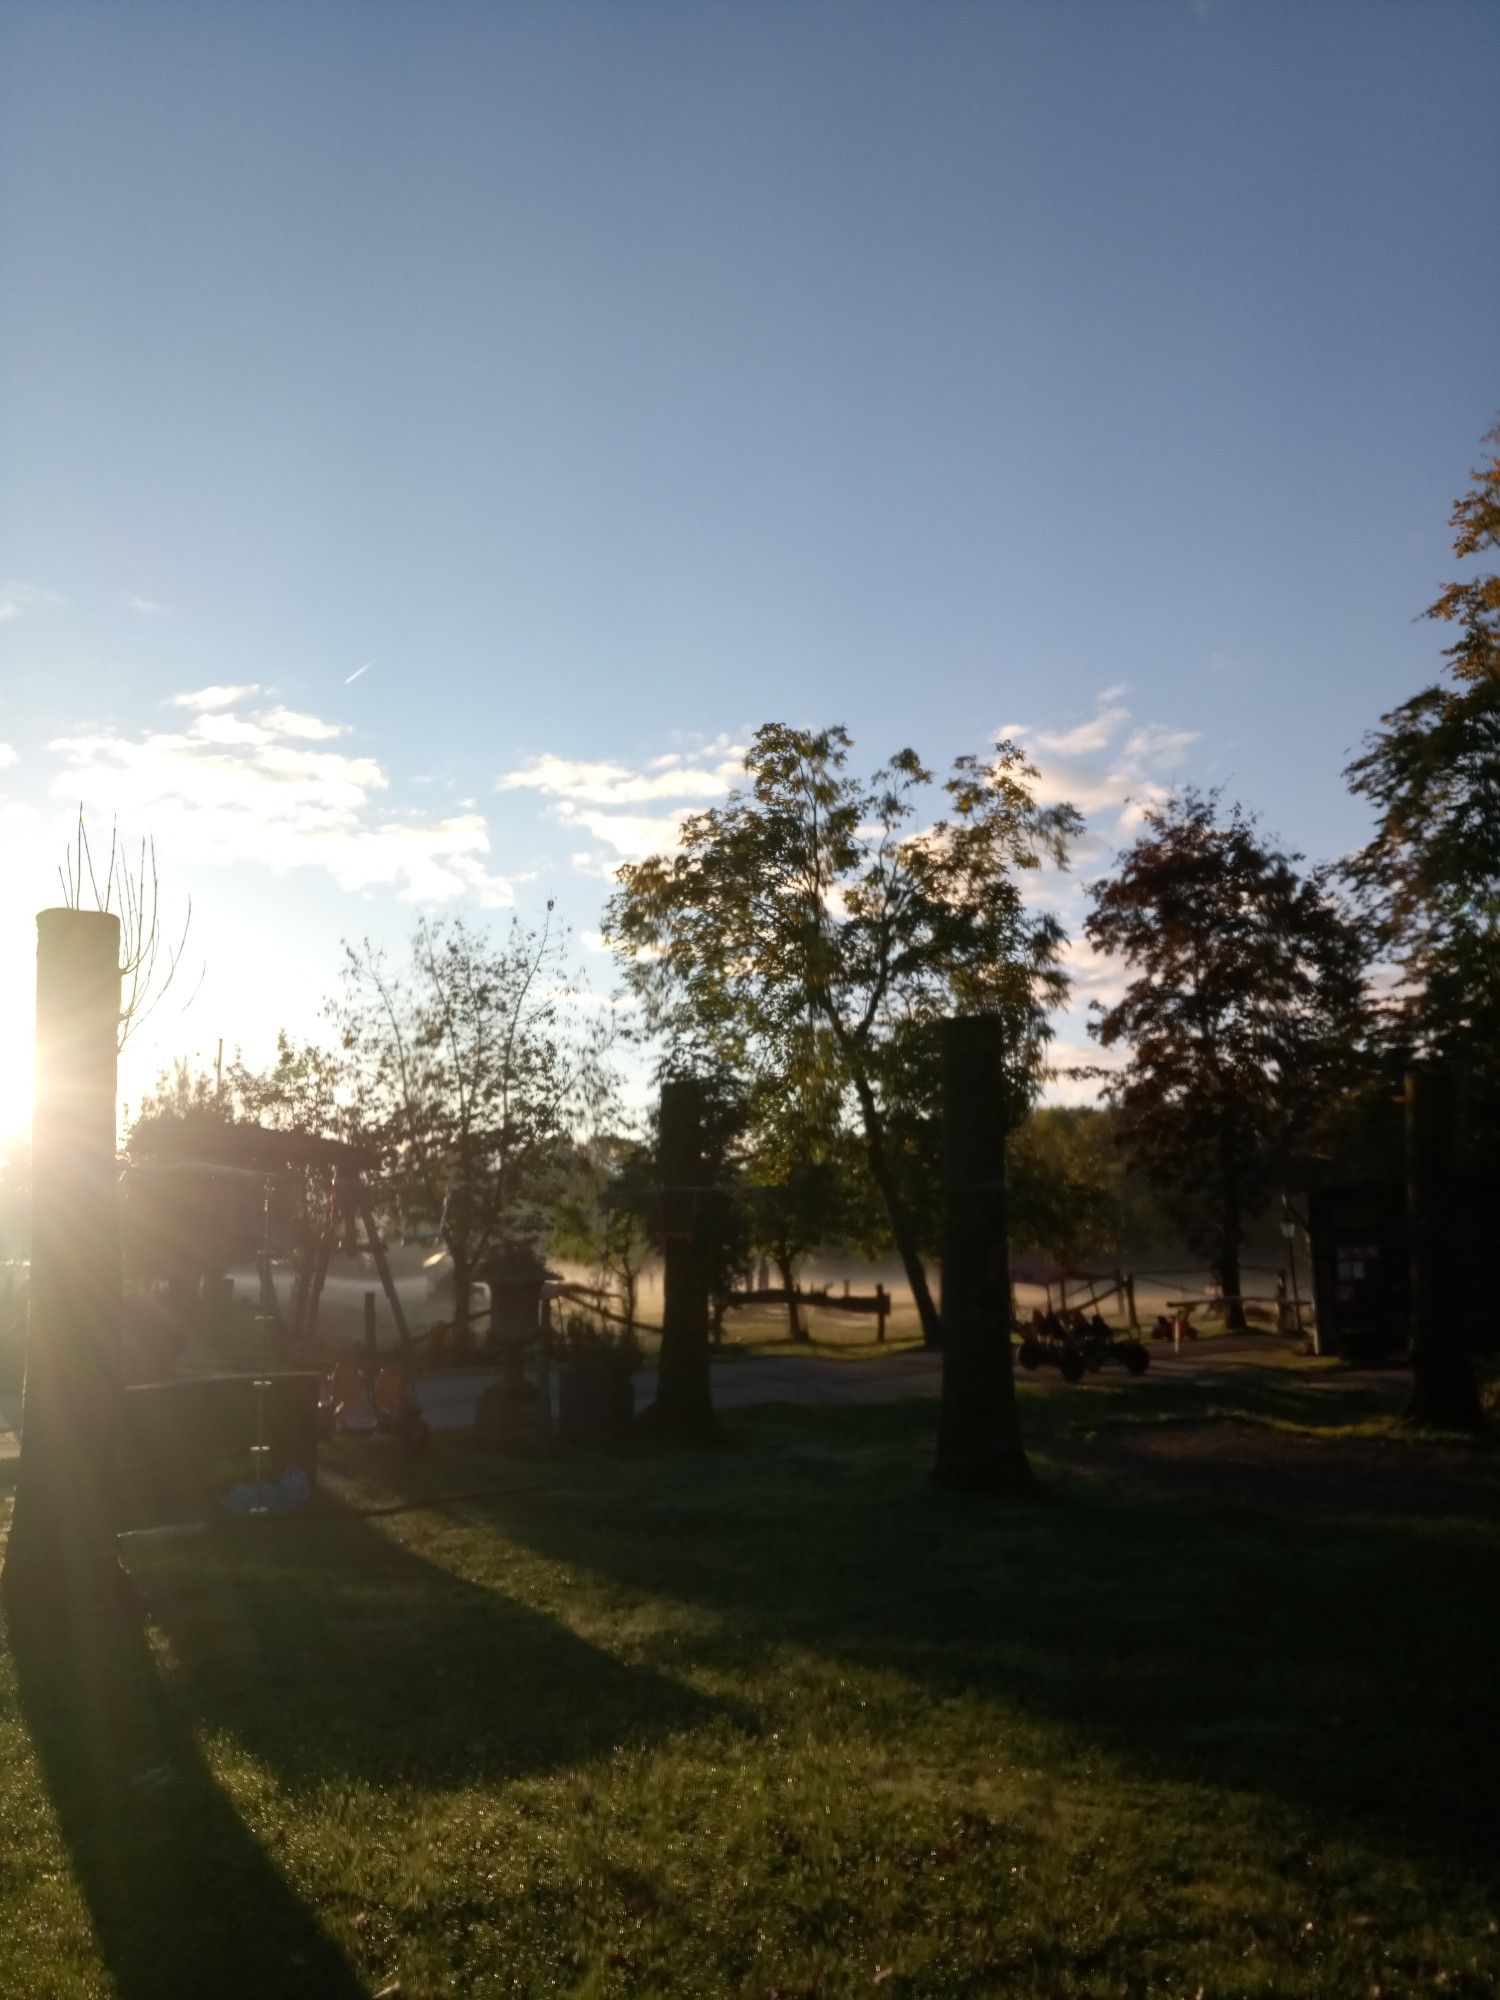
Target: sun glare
[16, 1031]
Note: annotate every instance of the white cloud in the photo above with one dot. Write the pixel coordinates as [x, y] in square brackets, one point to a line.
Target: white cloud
[631, 835]
[594, 795]
[310, 728]
[8, 755]
[1111, 771]
[234, 787]
[18, 597]
[1065, 1056]
[147, 607]
[216, 697]
[607, 784]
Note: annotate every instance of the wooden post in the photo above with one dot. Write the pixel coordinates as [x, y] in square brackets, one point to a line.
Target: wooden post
[370, 1326]
[1130, 1302]
[63, 1529]
[1443, 1390]
[684, 1402]
[882, 1307]
[979, 1444]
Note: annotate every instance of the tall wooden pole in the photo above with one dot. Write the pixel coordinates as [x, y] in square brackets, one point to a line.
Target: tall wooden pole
[979, 1443]
[63, 1530]
[1444, 1394]
[684, 1403]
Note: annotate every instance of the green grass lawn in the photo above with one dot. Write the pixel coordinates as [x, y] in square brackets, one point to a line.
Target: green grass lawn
[773, 1721]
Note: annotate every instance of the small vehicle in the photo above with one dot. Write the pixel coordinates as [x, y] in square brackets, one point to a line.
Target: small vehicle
[1048, 1340]
[1101, 1343]
[1077, 1347]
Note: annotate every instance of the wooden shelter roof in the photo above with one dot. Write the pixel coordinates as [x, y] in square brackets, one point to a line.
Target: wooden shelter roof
[254, 1148]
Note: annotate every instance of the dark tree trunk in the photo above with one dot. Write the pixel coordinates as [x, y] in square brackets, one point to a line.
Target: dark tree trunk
[788, 1275]
[1228, 1266]
[895, 1208]
[683, 1410]
[979, 1443]
[62, 1537]
[1444, 1394]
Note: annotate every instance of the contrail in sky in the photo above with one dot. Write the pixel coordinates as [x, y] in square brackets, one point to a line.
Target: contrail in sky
[348, 678]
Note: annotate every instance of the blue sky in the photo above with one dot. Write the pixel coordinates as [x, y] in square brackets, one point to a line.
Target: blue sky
[595, 382]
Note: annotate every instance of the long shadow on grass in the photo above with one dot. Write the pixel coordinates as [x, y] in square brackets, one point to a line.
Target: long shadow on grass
[183, 1898]
[331, 1648]
[1335, 1666]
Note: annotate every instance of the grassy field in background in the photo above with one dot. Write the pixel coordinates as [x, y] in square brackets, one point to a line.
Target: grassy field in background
[779, 1720]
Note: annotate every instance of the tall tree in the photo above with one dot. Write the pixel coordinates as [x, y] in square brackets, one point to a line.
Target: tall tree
[1430, 879]
[1066, 1192]
[1430, 876]
[1243, 1012]
[797, 1163]
[606, 1215]
[810, 931]
[470, 1068]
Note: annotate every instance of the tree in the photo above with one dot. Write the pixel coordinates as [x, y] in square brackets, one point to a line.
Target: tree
[799, 1194]
[184, 1230]
[469, 1070]
[794, 1208]
[1244, 1012]
[606, 1215]
[1066, 1185]
[1430, 876]
[307, 1088]
[809, 932]
[1430, 881]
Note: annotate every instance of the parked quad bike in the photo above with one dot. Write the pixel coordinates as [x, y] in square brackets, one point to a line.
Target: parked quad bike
[1076, 1355]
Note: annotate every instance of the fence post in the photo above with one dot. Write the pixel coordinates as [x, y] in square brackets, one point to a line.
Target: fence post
[66, 1513]
[882, 1307]
[979, 1444]
[369, 1326]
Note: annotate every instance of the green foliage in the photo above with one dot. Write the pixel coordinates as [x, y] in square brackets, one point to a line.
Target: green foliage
[469, 1070]
[1067, 1185]
[307, 1087]
[1243, 1015]
[1474, 603]
[607, 1213]
[1430, 876]
[807, 934]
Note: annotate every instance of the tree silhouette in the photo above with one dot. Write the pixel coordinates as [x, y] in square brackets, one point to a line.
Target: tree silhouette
[1244, 1012]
